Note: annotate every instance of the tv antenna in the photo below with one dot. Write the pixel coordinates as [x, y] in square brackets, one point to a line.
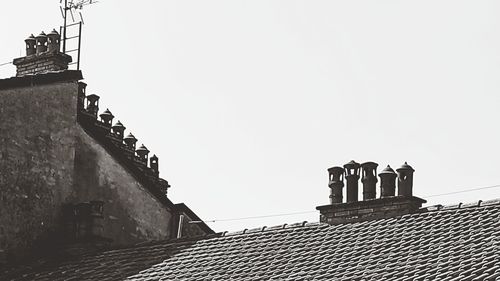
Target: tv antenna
[70, 6]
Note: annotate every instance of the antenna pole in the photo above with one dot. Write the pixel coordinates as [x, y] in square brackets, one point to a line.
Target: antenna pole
[79, 45]
[64, 28]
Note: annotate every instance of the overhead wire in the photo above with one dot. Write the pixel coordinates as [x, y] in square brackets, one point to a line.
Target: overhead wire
[307, 212]
[463, 191]
[5, 63]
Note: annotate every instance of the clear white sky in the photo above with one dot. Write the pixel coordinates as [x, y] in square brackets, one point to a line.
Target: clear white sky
[247, 103]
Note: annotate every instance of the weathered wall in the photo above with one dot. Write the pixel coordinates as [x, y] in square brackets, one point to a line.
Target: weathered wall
[131, 213]
[47, 161]
[37, 128]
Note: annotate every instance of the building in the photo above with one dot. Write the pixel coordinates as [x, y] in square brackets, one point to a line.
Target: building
[79, 199]
[70, 174]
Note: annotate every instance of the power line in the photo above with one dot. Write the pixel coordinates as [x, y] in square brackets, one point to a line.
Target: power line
[463, 191]
[5, 63]
[259, 217]
[307, 212]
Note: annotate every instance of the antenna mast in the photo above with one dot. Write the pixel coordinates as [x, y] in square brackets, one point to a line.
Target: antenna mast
[70, 6]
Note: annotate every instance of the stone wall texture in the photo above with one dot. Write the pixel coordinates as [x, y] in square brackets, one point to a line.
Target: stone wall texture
[47, 161]
[131, 213]
[37, 150]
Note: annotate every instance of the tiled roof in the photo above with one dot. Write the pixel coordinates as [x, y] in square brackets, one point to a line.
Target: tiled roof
[448, 243]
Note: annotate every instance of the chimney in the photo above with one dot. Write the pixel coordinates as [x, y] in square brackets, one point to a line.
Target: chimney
[118, 129]
[164, 186]
[352, 177]
[369, 180]
[387, 182]
[153, 164]
[130, 142]
[405, 180]
[107, 117]
[371, 208]
[92, 105]
[336, 183]
[82, 93]
[30, 45]
[142, 154]
[42, 55]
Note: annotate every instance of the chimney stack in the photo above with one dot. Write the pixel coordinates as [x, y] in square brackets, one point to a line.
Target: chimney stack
[388, 205]
[336, 183]
[352, 177]
[42, 55]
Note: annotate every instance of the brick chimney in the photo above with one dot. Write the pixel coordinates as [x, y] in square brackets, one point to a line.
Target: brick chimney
[387, 205]
[42, 55]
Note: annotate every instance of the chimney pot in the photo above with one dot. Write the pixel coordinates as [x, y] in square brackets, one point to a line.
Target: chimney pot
[142, 153]
[164, 186]
[405, 180]
[82, 88]
[30, 45]
[54, 41]
[118, 129]
[369, 179]
[387, 182]
[336, 183]
[130, 141]
[93, 104]
[41, 43]
[352, 177]
[153, 164]
[107, 117]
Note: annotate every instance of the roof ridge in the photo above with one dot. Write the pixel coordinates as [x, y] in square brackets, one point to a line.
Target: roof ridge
[461, 205]
[271, 228]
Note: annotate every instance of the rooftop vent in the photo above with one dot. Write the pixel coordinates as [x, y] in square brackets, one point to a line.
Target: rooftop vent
[387, 205]
[42, 55]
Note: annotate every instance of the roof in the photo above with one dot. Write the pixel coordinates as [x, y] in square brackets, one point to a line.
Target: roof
[41, 79]
[450, 243]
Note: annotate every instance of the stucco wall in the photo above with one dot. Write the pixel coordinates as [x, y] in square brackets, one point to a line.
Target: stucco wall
[37, 128]
[131, 213]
